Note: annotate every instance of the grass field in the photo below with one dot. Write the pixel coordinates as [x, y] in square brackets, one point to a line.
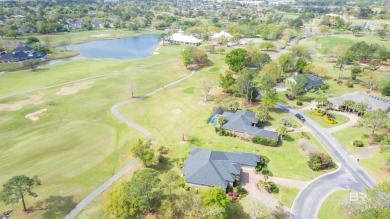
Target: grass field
[77, 144]
[332, 207]
[286, 195]
[181, 111]
[376, 162]
[318, 119]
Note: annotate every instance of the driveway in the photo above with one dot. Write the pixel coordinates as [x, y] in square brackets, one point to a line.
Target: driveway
[350, 175]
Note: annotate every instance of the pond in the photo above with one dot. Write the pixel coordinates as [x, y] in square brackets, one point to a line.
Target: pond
[125, 48]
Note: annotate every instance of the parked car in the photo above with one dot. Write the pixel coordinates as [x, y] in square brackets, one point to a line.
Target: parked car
[300, 117]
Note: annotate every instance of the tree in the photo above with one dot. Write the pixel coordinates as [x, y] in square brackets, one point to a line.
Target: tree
[13, 33]
[38, 47]
[47, 40]
[269, 96]
[206, 84]
[262, 113]
[140, 190]
[227, 82]
[374, 119]
[186, 57]
[377, 203]
[117, 202]
[222, 120]
[142, 150]
[233, 106]
[199, 56]
[381, 33]
[271, 71]
[31, 40]
[32, 64]
[298, 87]
[286, 62]
[300, 51]
[236, 59]
[355, 72]
[282, 130]
[322, 100]
[133, 88]
[170, 182]
[245, 86]
[301, 64]
[258, 58]
[267, 45]
[17, 188]
[215, 198]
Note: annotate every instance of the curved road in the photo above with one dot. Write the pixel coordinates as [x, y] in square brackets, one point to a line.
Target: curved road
[115, 111]
[349, 176]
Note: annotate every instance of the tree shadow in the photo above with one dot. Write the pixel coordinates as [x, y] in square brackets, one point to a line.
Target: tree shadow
[165, 165]
[236, 211]
[56, 206]
[195, 141]
[288, 138]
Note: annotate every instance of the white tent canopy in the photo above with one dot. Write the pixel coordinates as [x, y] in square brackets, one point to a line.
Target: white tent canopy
[222, 34]
[179, 37]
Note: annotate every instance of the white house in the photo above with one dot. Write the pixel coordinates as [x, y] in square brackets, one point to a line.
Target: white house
[181, 38]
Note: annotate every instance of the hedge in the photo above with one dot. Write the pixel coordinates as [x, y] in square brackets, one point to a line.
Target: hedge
[264, 141]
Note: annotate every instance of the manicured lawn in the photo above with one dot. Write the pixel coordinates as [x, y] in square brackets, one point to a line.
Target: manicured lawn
[347, 136]
[318, 119]
[375, 165]
[333, 208]
[376, 162]
[286, 195]
[77, 144]
[178, 111]
[330, 42]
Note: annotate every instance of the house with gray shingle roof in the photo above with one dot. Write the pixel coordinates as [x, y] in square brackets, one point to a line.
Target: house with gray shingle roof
[206, 167]
[373, 102]
[244, 122]
[312, 81]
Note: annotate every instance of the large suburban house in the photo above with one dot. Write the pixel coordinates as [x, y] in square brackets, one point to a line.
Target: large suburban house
[312, 81]
[181, 38]
[22, 52]
[373, 102]
[242, 122]
[205, 167]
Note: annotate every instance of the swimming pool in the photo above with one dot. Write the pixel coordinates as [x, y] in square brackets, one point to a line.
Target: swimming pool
[214, 120]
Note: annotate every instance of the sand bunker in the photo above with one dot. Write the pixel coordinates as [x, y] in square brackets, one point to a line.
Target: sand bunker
[75, 88]
[35, 99]
[100, 35]
[35, 115]
[156, 53]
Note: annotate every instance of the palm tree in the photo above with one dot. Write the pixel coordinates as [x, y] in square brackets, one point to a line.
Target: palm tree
[347, 104]
[361, 108]
[222, 120]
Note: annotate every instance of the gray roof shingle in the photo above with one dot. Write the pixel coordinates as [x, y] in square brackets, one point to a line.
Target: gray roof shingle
[215, 168]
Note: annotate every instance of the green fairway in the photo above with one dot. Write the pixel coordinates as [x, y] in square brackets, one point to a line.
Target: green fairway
[319, 120]
[332, 207]
[76, 144]
[329, 42]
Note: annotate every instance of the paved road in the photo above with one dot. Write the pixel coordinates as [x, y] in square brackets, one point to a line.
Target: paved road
[83, 79]
[145, 132]
[120, 117]
[350, 175]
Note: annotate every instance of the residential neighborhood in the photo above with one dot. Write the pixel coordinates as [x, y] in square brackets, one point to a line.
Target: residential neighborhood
[211, 109]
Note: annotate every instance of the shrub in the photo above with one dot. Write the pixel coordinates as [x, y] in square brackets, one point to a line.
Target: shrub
[299, 103]
[317, 112]
[182, 182]
[304, 135]
[350, 84]
[285, 122]
[358, 143]
[386, 91]
[266, 172]
[325, 87]
[319, 161]
[264, 141]
[329, 120]
[241, 191]
[377, 138]
[187, 188]
[273, 188]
